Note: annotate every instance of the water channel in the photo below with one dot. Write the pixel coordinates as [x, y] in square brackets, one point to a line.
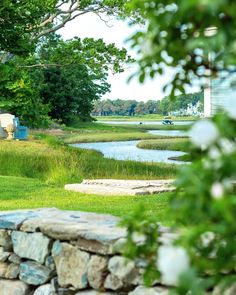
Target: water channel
[128, 150]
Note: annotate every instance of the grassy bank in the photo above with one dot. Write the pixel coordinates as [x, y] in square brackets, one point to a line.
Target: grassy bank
[172, 144]
[108, 136]
[151, 117]
[94, 127]
[145, 127]
[97, 132]
[50, 160]
[22, 193]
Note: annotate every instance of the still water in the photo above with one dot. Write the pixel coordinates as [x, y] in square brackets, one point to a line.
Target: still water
[127, 150]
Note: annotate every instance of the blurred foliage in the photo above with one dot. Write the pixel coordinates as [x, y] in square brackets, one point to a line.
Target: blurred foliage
[189, 37]
[196, 39]
[203, 209]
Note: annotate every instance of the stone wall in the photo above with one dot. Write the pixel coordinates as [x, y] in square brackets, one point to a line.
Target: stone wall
[52, 252]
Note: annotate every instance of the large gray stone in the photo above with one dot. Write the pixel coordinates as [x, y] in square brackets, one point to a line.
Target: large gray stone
[15, 258]
[45, 290]
[97, 271]
[4, 256]
[8, 287]
[14, 219]
[112, 187]
[33, 273]
[3, 269]
[99, 232]
[33, 246]
[5, 240]
[113, 283]
[12, 271]
[9, 271]
[92, 236]
[71, 265]
[124, 269]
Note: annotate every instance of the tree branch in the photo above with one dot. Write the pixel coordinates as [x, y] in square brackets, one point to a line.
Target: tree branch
[42, 66]
[63, 16]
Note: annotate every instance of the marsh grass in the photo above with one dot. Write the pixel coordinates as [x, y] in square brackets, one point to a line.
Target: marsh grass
[50, 160]
[107, 136]
[43, 160]
[145, 127]
[95, 132]
[172, 144]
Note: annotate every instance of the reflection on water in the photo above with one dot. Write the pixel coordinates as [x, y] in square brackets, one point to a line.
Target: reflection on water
[174, 133]
[127, 150]
[144, 123]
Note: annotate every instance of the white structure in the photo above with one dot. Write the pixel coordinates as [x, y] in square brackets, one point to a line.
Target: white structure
[5, 120]
[191, 110]
[218, 92]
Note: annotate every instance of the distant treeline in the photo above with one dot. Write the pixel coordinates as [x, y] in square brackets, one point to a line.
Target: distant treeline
[120, 107]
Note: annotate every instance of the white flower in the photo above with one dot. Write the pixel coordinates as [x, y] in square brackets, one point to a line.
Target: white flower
[204, 133]
[214, 153]
[207, 165]
[227, 146]
[172, 262]
[230, 108]
[207, 238]
[217, 190]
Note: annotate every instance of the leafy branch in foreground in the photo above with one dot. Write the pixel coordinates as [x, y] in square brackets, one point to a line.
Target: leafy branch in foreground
[203, 208]
[194, 38]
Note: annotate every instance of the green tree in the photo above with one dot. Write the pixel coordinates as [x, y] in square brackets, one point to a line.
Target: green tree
[67, 75]
[24, 22]
[19, 95]
[70, 92]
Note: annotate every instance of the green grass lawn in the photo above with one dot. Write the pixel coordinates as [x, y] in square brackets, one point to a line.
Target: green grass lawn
[22, 193]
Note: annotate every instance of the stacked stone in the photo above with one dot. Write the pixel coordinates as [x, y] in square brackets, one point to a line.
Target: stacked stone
[52, 252]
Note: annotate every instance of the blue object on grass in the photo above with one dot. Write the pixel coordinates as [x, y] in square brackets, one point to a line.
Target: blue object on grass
[21, 132]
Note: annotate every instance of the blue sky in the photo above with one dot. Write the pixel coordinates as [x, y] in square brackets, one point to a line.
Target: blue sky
[90, 25]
